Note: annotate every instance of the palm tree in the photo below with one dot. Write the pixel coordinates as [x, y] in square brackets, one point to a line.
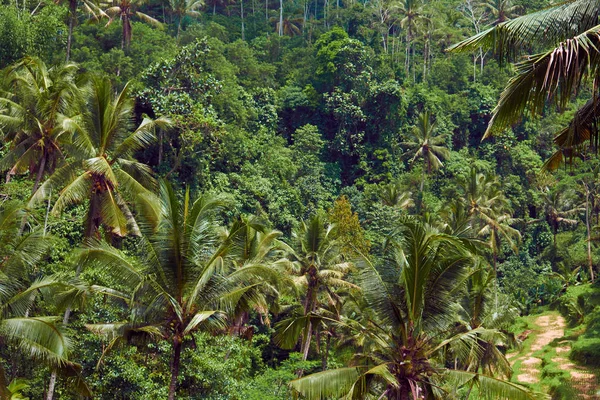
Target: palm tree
[425, 142]
[566, 30]
[179, 284]
[101, 168]
[246, 243]
[90, 7]
[35, 116]
[410, 14]
[411, 296]
[489, 211]
[181, 8]
[290, 26]
[558, 206]
[124, 11]
[393, 195]
[477, 310]
[317, 263]
[500, 10]
[38, 337]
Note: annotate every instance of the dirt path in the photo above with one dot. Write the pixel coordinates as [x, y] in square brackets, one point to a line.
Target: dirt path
[550, 328]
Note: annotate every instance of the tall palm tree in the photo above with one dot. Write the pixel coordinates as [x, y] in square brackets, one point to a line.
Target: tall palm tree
[35, 115]
[317, 263]
[90, 7]
[38, 337]
[489, 211]
[565, 30]
[425, 142]
[101, 169]
[477, 309]
[411, 296]
[500, 10]
[181, 8]
[246, 243]
[394, 195]
[410, 14]
[558, 207]
[178, 284]
[124, 11]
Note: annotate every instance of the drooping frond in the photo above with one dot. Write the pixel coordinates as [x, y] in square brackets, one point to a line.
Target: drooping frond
[333, 383]
[553, 75]
[547, 27]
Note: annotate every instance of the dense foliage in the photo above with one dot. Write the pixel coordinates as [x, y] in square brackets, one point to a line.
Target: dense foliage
[244, 200]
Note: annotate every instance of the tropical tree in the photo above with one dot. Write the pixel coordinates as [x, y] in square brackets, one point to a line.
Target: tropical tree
[35, 115]
[489, 211]
[410, 14]
[500, 10]
[411, 295]
[558, 207]
[246, 243]
[178, 284]
[317, 264]
[181, 8]
[124, 11]
[566, 30]
[101, 168]
[425, 142]
[479, 309]
[393, 195]
[90, 7]
[39, 338]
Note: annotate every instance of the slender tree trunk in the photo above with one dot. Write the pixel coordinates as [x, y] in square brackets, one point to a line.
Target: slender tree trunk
[214, 8]
[175, 368]
[72, 18]
[66, 316]
[160, 146]
[589, 231]
[280, 18]
[242, 15]
[325, 355]
[40, 174]
[36, 185]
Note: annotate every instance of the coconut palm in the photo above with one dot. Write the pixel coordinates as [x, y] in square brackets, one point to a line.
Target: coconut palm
[425, 142]
[181, 8]
[410, 14]
[565, 31]
[90, 7]
[317, 264]
[411, 295]
[246, 243]
[500, 10]
[489, 211]
[124, 11]
[37, 337]
[393, 195]
[101, 168]
[34, 116]
[558, 207]
[178, 284]
[478, 309]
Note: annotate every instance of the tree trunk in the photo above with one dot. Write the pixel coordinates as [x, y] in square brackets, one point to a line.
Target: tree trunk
[242, 15]
[160, 146]
[325, 355]
[36, 185]
[66, 316]
[280, 18]
[72, 18]
[589, 231]
[175, 368]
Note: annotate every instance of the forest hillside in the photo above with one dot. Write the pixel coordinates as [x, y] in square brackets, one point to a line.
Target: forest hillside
[361, 199]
